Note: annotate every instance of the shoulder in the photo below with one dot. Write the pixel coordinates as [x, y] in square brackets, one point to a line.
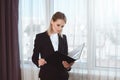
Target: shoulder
[41, 34]
[64, 36]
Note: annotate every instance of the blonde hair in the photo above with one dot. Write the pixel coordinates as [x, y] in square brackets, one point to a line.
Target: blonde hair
[57, 15]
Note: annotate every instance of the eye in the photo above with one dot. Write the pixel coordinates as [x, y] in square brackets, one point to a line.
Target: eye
[58, 25]
[62, 26]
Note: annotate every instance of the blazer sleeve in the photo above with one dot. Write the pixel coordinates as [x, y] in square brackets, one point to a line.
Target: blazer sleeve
[35, 56]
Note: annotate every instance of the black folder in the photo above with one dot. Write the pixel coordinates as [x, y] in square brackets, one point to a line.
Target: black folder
[66, 58]
[57, 58]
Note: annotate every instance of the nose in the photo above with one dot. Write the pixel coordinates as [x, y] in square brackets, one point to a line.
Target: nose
[59, 28]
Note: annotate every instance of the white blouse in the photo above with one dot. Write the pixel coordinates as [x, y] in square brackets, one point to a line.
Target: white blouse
[54, 40]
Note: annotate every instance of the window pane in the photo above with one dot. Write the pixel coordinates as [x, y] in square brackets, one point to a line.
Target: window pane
[32, 21]
[107, 33]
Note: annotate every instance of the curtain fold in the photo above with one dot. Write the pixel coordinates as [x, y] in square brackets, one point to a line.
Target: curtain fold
[9, 49]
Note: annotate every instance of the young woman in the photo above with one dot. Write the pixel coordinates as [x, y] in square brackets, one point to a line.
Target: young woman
[48, 43]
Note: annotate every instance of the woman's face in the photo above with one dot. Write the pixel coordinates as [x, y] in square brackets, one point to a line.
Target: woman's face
[57, 25]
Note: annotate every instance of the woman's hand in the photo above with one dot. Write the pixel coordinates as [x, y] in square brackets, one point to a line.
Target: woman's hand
[41, 62]
[66, 64]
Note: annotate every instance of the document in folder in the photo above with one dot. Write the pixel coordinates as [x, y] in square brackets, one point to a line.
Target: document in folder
[76, 53]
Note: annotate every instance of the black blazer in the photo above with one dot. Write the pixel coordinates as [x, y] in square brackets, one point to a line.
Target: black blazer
[43, 46]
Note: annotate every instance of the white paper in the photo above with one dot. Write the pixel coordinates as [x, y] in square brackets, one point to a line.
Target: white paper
[76, 53]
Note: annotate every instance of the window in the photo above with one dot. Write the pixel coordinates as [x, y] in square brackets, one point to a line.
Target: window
[87, 21]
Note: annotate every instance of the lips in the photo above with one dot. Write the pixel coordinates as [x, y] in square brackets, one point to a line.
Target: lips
[58, 31]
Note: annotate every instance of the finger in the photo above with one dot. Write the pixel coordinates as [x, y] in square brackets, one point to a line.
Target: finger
[63, 62]
[45, 62]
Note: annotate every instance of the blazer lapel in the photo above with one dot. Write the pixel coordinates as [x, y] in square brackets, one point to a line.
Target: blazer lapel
[49, 43]
[60, 43]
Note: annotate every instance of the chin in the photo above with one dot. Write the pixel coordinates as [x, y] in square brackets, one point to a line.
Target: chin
[58, 32]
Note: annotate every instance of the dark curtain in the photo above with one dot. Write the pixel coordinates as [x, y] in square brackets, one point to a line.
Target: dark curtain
[9, 49]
